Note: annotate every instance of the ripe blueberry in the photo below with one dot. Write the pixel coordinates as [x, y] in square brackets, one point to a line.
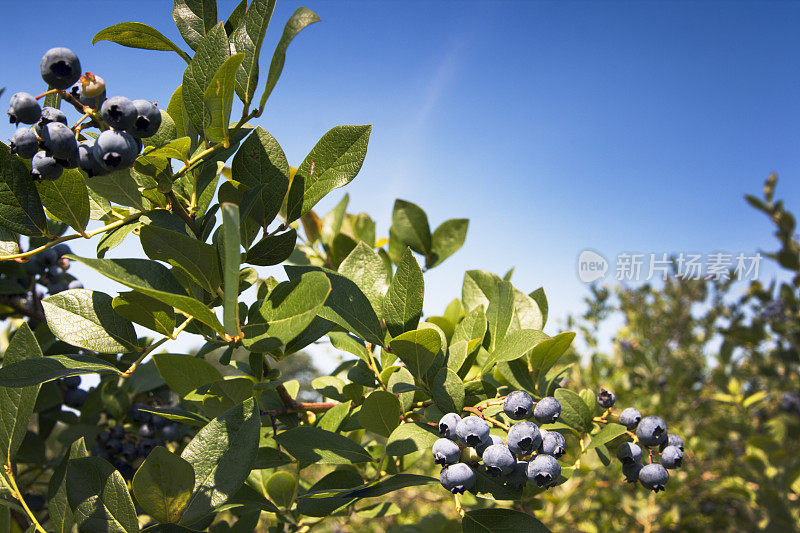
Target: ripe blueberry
[147, 431]
[628, 452]
[136, 413]
[631, 471]
[44, 167]
[553, 443]
[59, 141]
[60, 68]
[630, 418]
[673, 440]
[75, 398]
[157, 421]
[87, 161]
[119, 113]
[654, 477]
[498, 460]
[445, 452]
[457, 478]
[49, 114]
[172, 433]
[543, 470]
[652, 431]
[473, 431]
[518, 477]
[148, 119]
[117, 432]
[74, 284]
[115, 150]
[523, 438]
[493, 439]
[24, 143]
[671, 457]
[606, 399]
[129, 451]
[518, 405]
[448, 424]
[547, 410]
[114, 446]
[71, 382]
[24, 108]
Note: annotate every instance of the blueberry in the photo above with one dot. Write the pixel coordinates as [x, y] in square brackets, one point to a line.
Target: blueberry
[628, 452]
[55, 272]
[544, 470]
[59, 141]
[473, 431]
[518, 477]
[147, 431]
[606, 399]
[74, 284]
[673, 440]
[157, 421]
[71, 382]
[35, 502]
[97, 451]
[448, 424]
[24, 143]
[518, 405]
[115, 150]
[44, 167]
[652, 431]
[87, 160]
[136, 413]
[498, 460]
[172, 433]
[148, 119]
[124, 468]
[553, 443]
[547, 410]
[129, 451]
[654, 477]
[75, 398]
[445, 452]
[457, 478]
[61, 249]
[114, 446]
[631, 471]
[50, 114]
[60, 68]
[119, 113]
[117, 432]
[671, 457]
[493, 439]
[103, 437]
[523, 438]
[55, 288]
[24, 108]
[144, 447]
[630, 418]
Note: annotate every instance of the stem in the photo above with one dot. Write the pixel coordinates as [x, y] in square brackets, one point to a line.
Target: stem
[374, 366]
[9, 475]
[178, 209]
[51, 91]
[301, 407]
[84, 109]
[459, 509]
[155, 345]
[487, 418]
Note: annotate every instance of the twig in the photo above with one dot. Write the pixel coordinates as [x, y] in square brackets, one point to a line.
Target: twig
[487, 418]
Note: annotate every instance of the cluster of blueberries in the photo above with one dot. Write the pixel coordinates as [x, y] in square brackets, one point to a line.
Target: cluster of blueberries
[73, 396]
[49, 269]
[529, 454]
[651, 433]
[52, 145]
[790, 403]
[123, 448]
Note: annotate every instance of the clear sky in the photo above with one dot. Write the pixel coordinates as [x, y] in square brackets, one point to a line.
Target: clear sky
[554, 126]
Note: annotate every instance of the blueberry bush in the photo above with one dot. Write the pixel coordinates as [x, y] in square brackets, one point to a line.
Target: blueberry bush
[217, 439]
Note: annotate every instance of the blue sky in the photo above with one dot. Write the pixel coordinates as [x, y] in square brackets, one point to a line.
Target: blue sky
[554, 126]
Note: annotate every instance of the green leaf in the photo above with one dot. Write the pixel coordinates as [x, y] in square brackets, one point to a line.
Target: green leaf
[334, 417]
[155, 280]
[67, 199]
[447, 239]
[368, 271]
[609, 432]
[112, 239]
[157, 154]
[411, 437]
[311, 445]
[346, 305]
[272, 249]
[184, 373]
[380, 412]
[410, 226]
[9, 244]
[231, 256]
[200, 261]
[16, 404]
[261, 162]
[163, 484]
[99, 498]
[138, 35]
[417, 349]
[516, 344]
[333, 162]
[289, 309]
[178, 415]
[222, 455]
[574, 411]
[447, 390]
[282, 489]
[61, 518]
[467, 337]
[539, 297]
[145, 311]
[236, 18]
[218, 99]
[86, 319]
[401, 382]
[177, 112]
[20, 207]
[390, 484]
[478, 288]
[118, 187]
[347, 343]
[500, 313]
[527, 314]
[43, 369]
[248, 39]
[212, 51]
[301, 18]
[547, 353]
[402, 308]
[332, 221]
[194, 18]
[501, 521]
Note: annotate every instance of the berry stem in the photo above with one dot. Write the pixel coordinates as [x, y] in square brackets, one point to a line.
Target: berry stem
[9, 477]
[51, 91]
[487, 418]
[459, 509]
[147, 351]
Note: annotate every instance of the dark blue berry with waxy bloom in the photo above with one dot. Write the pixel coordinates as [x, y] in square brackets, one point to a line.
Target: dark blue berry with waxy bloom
[75, 398]
[518, 405]
[172, 433]
[493, 439]
[473, 431]
[45, 167]
[24, 143]
[628, 452]
[148, 119]
[553, 443]
[87, 160]
[671, 457]
[547, 410]
[498, 460]
[147, 431]
[119, 113]
[524, 438]
[60, 68]
[59, 141]
[673, 440]
[606, 399]
[445, 452]
[49, 114]
[115, 150]
[543, 470]
[24, 108]
[71, 382]
[448, 424]
[630, 418]
[631, 471]
[457, 478]
[652, 431]
[654, 477]
[518, 477]
[74, 284]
